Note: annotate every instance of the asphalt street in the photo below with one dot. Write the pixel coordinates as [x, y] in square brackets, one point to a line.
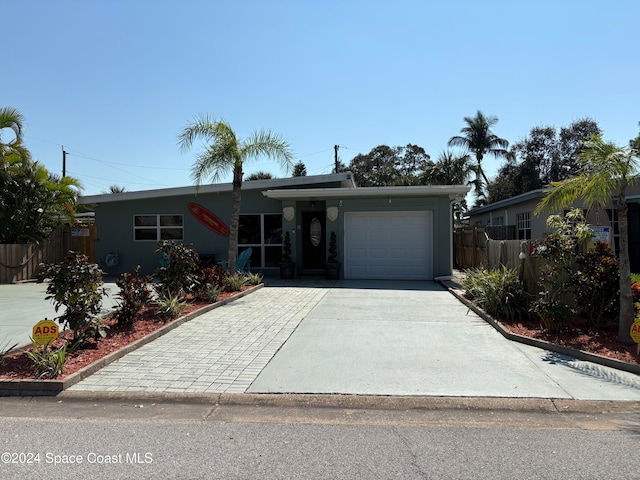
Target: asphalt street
[68, 439]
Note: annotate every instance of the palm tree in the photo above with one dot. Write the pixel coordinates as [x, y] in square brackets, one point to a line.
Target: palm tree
[449, 169]
[226, 152]
[478, 138]
[606, 171]
[12, 119]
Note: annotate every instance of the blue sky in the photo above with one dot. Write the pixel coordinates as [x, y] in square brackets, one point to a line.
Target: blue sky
[114, 82]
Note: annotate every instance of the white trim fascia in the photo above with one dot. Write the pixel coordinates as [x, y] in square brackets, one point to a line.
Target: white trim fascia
[452, 191]
[345, 179]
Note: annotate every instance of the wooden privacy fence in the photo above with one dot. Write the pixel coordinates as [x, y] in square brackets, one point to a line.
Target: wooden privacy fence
[474, 249]
[21, 262]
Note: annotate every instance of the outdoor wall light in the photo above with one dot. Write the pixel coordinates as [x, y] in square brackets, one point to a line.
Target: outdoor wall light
[288, 213]
[332, 213]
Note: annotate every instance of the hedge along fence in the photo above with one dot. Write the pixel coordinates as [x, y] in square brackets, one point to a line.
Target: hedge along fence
[21, 262]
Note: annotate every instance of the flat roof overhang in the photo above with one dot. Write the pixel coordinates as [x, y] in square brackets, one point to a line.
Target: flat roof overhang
[307, 194]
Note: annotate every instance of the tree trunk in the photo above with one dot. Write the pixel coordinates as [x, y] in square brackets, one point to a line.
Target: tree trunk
[236, 195]
[626, 298]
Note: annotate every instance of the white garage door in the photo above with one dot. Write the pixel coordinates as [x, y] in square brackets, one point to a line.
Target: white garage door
[389, 245]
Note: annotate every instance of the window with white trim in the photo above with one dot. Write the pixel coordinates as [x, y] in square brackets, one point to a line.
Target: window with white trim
[151, 228]
[263, 233]
[523, 225]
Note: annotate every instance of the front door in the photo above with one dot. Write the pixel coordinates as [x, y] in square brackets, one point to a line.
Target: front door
[313, 241]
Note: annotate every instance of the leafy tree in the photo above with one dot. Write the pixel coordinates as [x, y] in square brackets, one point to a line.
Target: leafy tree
[299, 170]
[385, 165]
[259, 176]
[32, 202]
[226, 152]
[544, 156]
[605, 172]
[340, 167]
[477, 137]
[635, 143]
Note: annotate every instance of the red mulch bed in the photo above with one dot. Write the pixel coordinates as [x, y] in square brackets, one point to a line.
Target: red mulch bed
[578, 334]
[17, 366]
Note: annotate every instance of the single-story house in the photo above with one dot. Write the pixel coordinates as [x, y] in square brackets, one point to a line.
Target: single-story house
[382, 232]
[517, 212]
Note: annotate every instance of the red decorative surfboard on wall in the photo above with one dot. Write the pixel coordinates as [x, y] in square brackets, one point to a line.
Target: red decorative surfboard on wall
[208, 219]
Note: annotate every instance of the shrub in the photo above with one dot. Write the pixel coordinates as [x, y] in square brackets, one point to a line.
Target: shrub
[333, 249]
[170, 307]
[557, 250]
[635, 292]
[48, 362]
[178, 277]
[211, 294]
[254, 278]
[4, 349]
[286, 248]
[134, 295]
[235, 282]
[498, 292]
[597, 284]
[208, 280]
[78, 285]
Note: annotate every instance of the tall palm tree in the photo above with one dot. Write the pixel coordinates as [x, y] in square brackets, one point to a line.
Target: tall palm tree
[606, 171]
[12, 119]
[478, 138]
[225, 152]
[449, 169]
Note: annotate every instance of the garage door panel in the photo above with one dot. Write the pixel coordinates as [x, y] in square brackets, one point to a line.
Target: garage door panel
[388, 245]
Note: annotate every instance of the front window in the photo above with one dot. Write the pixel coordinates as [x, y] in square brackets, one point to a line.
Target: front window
[158, 227]
[263, 233]
[523, 224]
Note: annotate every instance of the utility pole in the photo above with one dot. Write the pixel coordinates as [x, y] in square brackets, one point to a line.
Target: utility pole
[64, 163]
[336, 147]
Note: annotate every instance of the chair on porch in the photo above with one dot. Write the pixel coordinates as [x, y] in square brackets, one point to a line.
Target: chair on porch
[243, 262]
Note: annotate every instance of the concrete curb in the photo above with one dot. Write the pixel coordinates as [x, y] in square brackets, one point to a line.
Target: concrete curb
[553, 347]
[372, 402]
[54, 387]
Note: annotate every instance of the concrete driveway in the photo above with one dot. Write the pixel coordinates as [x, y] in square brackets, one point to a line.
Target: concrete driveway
[346, 337]
[22, 305]
[415, 338]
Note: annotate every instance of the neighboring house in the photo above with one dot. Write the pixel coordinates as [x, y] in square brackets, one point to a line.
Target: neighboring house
[518, 212]
[383, 232]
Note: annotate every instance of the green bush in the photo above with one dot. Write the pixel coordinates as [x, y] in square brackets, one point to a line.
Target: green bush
[170, 307]
[134, 295]
[498, 292]
[558, 250]
[178, 277]
[48, 362]
[235, 282]
[597, 285]
[77, 285]
[254, 278]
[4, 349]
[208, 281]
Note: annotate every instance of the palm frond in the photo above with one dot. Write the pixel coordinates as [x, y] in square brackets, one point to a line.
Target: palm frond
[268, 144]
[561, 195]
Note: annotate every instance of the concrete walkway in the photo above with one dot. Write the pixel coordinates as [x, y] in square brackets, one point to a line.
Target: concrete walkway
[354, 337]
